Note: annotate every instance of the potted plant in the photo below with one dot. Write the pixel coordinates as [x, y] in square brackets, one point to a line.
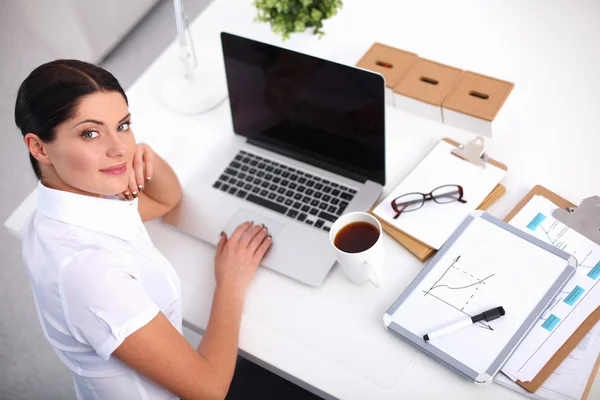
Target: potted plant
[289, 16]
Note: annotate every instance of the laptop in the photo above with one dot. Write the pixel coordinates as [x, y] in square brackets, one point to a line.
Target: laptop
[309, 146]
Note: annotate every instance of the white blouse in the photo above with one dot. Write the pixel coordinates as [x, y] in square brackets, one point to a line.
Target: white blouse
[96, 279]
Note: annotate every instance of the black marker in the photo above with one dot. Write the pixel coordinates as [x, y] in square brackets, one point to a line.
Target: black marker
[487, 316]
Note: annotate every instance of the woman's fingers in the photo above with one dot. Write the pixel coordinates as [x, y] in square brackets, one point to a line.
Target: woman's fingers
[221, 244]
[133, 190]
[250, 235]
[257, 239]
[149, 166]
[262, 249]
[138, 169]
[128, 193]
[239, 231]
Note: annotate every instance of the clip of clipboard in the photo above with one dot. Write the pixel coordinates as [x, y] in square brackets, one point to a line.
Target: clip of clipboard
[584, 219]
[473, 152]
[587, 208]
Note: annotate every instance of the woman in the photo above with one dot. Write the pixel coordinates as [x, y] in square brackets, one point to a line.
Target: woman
[109, 303]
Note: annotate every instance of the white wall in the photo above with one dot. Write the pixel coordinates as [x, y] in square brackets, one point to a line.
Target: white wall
[37, 31]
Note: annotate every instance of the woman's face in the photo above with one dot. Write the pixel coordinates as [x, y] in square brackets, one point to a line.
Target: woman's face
[93, 151]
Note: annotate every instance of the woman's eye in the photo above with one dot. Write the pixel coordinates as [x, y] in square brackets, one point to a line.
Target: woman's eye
[124, 126]
[90, 134]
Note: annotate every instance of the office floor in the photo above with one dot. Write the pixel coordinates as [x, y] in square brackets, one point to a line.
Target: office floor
[29, 369]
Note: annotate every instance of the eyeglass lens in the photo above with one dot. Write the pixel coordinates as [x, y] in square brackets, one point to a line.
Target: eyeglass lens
[410, 202]
[446, 194]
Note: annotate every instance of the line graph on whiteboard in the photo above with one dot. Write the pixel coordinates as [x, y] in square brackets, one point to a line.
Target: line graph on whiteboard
[458, 288]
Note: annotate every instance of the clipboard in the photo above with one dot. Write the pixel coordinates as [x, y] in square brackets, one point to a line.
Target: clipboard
[583, 329]
[493, 237]
[420, 250]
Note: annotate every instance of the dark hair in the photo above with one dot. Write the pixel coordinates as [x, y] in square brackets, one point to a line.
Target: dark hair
[52, 92]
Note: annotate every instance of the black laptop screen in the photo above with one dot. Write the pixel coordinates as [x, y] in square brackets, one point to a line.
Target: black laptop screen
[328, 114]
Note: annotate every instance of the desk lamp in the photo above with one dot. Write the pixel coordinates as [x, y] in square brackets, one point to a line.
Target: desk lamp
[189, 88]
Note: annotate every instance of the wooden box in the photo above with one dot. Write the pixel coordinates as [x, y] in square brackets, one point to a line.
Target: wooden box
[390, 62]
[475, 102]
[424, 88]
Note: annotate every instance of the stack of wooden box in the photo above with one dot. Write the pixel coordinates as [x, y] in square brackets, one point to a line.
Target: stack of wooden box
[436, 91]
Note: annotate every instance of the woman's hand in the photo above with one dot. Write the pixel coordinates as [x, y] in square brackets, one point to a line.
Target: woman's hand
[142, 170]
[238, 257]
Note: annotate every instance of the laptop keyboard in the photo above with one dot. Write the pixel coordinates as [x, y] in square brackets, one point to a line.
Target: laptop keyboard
[286, 190]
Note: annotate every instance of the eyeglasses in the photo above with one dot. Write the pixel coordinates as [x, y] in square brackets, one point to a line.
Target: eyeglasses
[441, 195]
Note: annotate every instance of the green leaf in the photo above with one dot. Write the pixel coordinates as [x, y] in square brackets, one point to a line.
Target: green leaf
[316, 14]
[288, 16]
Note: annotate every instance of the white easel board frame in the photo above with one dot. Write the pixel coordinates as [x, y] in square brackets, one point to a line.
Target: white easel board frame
[487, 375]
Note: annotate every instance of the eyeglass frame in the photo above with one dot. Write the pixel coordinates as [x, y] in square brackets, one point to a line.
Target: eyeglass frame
[426, 197]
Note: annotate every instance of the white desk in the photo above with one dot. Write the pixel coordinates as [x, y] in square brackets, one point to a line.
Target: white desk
[331, 339]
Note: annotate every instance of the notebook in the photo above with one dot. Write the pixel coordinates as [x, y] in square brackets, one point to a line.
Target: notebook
[486, 263]
[434, 223]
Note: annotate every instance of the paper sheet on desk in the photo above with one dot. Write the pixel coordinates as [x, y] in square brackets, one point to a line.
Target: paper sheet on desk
[536, 219]
[434, 223]
[570, 379]
[579, 298]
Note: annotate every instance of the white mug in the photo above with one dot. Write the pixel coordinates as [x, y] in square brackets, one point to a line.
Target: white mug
[366, 266]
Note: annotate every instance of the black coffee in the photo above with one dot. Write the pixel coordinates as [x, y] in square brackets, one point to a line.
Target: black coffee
[356, 237]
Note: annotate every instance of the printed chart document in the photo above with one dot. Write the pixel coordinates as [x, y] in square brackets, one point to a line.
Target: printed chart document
[578, 299]
[569, 380]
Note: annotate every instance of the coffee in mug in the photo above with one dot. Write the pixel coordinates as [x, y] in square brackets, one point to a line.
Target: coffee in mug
[358, 243]
[356, 237]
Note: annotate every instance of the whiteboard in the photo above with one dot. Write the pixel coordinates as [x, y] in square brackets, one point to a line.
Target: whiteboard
[486, 263]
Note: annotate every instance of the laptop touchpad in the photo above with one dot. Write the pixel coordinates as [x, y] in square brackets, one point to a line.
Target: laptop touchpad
[242, 216]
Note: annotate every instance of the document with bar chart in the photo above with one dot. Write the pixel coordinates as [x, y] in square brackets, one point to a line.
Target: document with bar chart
[536, 219]
[579, 297]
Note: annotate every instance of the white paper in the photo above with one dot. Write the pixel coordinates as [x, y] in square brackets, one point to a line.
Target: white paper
[542, 343]
[434, 223]
[554, 232]
[486, 267]
[573, 374]
[569, 380]
[577, 300]
[505, 381]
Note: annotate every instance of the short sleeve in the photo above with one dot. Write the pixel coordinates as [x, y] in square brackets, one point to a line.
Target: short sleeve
[104, 300]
